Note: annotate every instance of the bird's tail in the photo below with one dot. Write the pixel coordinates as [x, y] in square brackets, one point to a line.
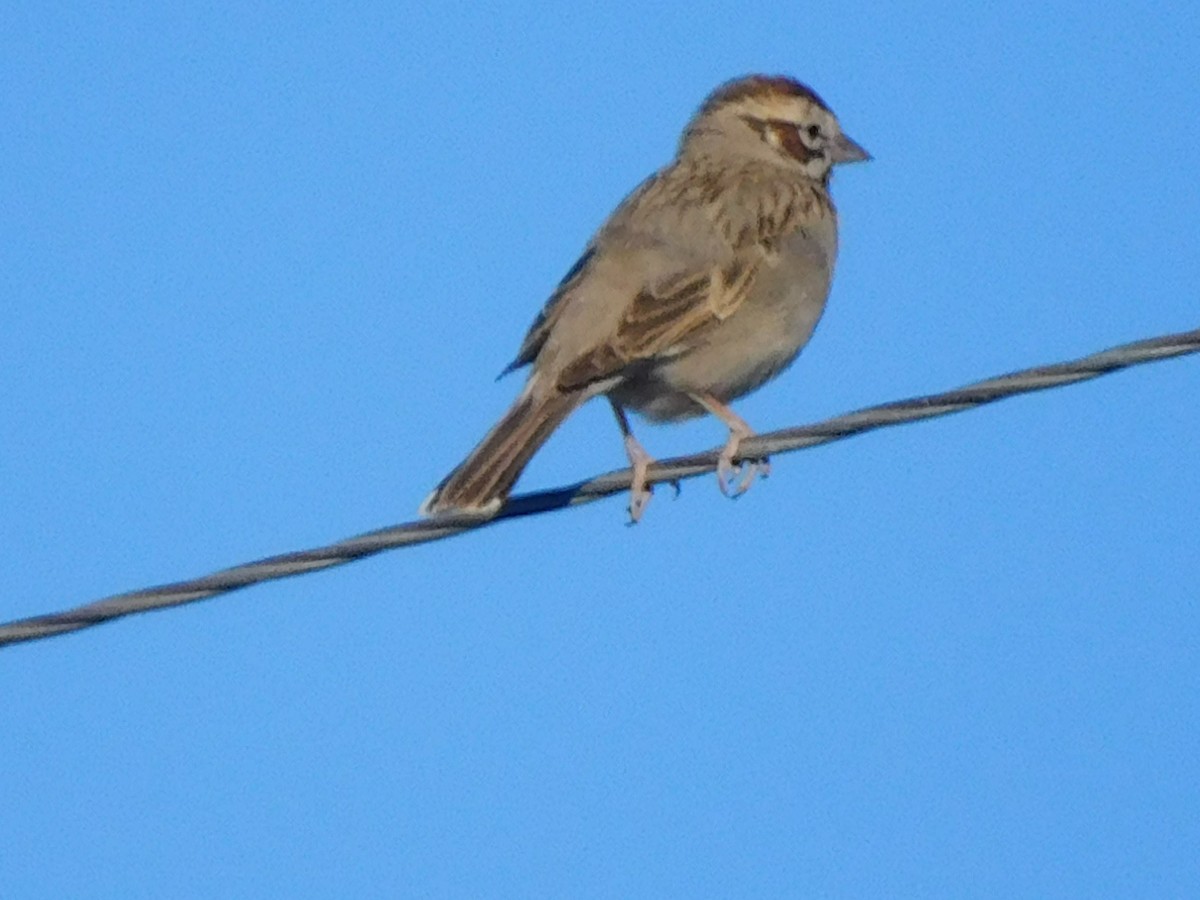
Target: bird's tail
[483, 480]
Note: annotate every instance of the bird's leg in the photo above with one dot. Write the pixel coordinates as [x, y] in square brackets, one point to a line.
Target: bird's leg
[728, 465]
[639, 491]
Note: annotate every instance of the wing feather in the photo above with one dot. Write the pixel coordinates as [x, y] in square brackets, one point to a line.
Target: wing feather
[666, 318]
[535, 338]
[660, 323]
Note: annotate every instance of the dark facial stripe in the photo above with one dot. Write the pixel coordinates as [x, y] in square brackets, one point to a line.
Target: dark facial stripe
[786, 136]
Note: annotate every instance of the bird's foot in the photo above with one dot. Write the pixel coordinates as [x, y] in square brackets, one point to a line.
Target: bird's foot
[639, 491]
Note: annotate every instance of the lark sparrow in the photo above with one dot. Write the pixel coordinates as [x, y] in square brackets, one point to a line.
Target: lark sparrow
[702, 285]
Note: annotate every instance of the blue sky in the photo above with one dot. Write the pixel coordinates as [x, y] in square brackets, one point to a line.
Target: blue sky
[260, 266]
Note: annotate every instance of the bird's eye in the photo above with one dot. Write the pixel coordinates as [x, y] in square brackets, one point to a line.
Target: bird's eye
[814, 131]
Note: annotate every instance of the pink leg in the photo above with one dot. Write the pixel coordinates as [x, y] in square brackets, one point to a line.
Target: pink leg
[639, 492]
[728, 466]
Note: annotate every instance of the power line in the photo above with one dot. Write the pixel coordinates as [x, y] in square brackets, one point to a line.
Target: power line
[770, 444]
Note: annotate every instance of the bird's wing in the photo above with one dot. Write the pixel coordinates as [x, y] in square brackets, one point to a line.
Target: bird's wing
[535, 338]
[665, 320]
[665, 315]
[547, 318]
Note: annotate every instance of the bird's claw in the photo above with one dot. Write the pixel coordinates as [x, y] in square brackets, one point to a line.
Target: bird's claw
[640, 491]
[743, 471]
[639, 499]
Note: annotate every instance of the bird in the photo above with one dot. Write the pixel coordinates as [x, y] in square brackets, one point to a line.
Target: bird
[703, 284]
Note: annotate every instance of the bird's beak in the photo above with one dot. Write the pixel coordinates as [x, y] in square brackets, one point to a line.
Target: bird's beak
[848, 151]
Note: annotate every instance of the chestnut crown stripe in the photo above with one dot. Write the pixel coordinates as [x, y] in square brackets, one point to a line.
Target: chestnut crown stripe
[760, 86]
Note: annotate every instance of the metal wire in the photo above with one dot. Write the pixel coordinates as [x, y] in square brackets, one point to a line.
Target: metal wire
[671, 470]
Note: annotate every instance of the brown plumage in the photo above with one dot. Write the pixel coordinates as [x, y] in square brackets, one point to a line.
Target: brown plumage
[486, 476]
[703, 284]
